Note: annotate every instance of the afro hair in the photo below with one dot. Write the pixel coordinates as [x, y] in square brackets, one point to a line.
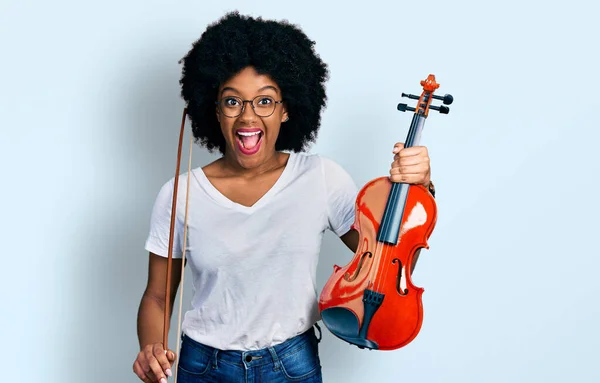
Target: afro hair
[274, 48]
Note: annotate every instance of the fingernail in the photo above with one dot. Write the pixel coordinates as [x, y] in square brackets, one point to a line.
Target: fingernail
[163, 380]
[168, 372]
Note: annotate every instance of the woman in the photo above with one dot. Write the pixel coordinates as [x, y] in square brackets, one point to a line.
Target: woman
[254, 91]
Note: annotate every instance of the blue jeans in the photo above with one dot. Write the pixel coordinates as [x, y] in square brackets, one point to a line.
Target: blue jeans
[295, 360]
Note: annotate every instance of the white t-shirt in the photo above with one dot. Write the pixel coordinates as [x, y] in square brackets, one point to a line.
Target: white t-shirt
[254, 268]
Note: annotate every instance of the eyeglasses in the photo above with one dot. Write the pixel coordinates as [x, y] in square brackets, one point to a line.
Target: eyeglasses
[263, 106]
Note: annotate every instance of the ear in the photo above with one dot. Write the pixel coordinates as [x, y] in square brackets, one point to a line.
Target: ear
[218, 114]
[284, 115]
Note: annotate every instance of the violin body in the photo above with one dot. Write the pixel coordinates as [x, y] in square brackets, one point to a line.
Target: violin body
[372, 302]
[398, 321]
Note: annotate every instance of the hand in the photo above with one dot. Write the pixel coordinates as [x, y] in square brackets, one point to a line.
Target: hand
[411, 165]
[153, 364]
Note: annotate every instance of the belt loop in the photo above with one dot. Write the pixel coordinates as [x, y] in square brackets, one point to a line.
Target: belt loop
[320, 334]
[215, 354]
[275, 359]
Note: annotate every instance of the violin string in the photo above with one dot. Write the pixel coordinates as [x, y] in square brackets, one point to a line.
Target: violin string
[377, 255]
[184, 250]
[383, 247]
[382, 272]
[392, 247]
[380, 251]
[382, 269]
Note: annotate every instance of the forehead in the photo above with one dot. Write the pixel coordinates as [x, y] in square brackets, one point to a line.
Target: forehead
[248, 82]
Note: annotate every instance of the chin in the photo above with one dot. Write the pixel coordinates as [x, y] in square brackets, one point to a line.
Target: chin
[250, 160]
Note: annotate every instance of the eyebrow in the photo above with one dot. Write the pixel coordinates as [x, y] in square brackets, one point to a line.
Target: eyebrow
[260, 90]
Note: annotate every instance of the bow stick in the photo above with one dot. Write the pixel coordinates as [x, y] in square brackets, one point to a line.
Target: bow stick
[167, 316]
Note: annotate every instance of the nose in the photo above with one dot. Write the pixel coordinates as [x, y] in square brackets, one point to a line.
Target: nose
[248, 113]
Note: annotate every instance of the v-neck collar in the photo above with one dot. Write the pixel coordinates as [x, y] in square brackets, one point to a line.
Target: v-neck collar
[221, 199]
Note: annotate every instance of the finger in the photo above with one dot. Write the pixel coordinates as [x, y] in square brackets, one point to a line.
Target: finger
[413, 178]
[419, 168]
[413, 160]
[171, 356]
[413, 151]
[161, 356]
[407, 178]
[139, 371]
[409, 171]
[158, 371]
[144, 358]
[152, 367]
[397, 147]
[418, 151]
[148, 373]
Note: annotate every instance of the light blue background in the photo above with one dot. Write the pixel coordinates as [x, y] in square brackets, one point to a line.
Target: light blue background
[90, 111]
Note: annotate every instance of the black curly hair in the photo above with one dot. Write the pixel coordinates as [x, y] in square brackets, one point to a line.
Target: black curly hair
[274, 48]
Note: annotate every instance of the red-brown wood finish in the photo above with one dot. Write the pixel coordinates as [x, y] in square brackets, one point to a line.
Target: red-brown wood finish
[398, 321]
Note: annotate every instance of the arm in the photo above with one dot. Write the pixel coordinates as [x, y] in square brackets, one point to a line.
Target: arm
[152, 306]
[351, 238]
[153, 362]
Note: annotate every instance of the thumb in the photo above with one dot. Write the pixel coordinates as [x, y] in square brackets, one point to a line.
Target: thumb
[170, 355]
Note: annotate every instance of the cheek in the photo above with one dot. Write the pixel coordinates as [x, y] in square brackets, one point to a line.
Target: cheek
[226, 125]
[273, 128]
[226, 131]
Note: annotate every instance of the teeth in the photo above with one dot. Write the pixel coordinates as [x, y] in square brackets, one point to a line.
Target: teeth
[248, 134]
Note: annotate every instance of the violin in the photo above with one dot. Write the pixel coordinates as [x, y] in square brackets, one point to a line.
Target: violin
[372, 302]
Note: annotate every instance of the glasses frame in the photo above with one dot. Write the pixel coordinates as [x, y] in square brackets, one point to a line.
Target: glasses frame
[219, 103]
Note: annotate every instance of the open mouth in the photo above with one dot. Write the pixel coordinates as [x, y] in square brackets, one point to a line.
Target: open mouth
[249, 140]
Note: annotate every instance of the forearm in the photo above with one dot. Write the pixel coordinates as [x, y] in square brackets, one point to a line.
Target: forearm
[150, 320]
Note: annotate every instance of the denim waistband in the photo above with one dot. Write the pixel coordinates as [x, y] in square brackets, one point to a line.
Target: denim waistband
[254, 358]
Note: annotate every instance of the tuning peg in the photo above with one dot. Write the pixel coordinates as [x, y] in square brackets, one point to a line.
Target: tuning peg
[404, 108]
[446, 99]
[442, 109]
[410, 96]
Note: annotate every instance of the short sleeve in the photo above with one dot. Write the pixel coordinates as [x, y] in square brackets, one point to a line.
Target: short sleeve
[157, 241]
[341, 192]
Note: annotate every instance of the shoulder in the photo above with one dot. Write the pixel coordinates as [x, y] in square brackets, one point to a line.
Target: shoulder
[332, 170]
[318, 162]
[329, 172]
[165, 191]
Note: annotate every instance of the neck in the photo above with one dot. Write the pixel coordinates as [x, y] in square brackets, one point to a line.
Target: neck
[232, 167]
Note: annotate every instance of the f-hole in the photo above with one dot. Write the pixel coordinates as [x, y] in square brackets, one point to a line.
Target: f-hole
[359, 267]
[399, 278]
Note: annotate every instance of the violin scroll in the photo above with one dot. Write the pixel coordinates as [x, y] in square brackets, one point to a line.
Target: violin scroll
[424, 104]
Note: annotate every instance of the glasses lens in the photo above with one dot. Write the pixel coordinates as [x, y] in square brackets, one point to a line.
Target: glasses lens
[231, 106]
[263, 105]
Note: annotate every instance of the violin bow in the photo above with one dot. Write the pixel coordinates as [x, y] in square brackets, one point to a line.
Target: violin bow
[167, 315]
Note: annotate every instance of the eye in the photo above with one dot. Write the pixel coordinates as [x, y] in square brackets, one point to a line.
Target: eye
[265, 101]
[231, 101]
